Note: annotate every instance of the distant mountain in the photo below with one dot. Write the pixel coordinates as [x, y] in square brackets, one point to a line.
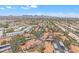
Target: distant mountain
[38, 17]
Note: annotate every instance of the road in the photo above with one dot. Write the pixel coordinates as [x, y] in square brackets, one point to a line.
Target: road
[5, 47]
[71, 33]
[59, 48]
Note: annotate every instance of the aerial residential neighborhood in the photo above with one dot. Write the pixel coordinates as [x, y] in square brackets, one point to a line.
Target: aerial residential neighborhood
[39, 35]
[26, 29]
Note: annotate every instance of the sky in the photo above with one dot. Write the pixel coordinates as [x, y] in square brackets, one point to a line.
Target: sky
[51, 10]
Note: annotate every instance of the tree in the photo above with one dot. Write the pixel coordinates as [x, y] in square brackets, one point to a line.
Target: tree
[6, 25]
[3, 42]
[67, 43]
[39, 48]
[9, 30]
[21, 40]
[38, 34]
[15, 46]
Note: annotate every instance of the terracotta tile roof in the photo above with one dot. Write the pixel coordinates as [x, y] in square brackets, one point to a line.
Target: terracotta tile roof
[46, 34]
[74, 49]
[64, 38]
[48, 47]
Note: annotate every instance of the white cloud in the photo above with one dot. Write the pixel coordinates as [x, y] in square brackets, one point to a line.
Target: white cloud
[29, 6]
[9, 7]
[33, 6]
[2, 8]
[24, 7]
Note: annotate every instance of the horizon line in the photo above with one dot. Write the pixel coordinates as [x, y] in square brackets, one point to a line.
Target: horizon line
[63, 16]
